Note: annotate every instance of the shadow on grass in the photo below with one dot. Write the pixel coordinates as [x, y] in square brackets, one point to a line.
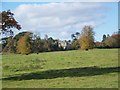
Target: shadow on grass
[72, 72]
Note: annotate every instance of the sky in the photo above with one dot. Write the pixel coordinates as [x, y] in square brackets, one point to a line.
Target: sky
[60, 20]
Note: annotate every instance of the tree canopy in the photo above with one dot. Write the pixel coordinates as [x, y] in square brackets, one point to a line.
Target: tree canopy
[7, 22]
[87, 38]
[24, 44]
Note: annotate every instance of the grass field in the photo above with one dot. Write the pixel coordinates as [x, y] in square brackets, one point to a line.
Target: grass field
[97, 68]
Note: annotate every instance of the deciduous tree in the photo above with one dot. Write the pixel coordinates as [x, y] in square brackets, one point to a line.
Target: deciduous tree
[87, 38]
[24, 45]
[7, 22]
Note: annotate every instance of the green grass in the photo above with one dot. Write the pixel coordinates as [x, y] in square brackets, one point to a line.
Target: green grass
[97, 68]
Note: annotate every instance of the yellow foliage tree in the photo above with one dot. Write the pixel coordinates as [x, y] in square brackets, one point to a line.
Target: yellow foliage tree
[23, 45]
[87, 38]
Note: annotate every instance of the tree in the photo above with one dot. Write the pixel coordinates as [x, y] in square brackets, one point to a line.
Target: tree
[77, 35]
[75, 44]
[46, 37]
[24, 45]
[7, 22]
[19, 35]
[87, 38]
[4, 42]
[73, 36]
[37, 44]
[113, 41]
[51, 44]
[10, 48]
[104, 38]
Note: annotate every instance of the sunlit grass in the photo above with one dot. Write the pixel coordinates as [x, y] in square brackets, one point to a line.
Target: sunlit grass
[65, 69]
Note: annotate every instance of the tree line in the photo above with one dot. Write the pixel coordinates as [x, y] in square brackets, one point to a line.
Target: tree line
[28, 42]
[108, 41]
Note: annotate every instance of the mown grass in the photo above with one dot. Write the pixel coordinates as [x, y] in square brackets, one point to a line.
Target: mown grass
[97, 68]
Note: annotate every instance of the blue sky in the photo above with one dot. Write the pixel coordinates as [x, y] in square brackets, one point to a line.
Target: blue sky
[61, 20]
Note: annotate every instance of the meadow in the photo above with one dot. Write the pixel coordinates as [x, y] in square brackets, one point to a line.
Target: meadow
[97, 68]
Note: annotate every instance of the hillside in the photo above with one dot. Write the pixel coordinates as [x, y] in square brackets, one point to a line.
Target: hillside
[97, 68]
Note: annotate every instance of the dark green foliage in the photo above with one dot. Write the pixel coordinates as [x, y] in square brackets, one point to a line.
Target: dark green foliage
[72, 36]
[104, 38]
[75, 36]
[4, 42]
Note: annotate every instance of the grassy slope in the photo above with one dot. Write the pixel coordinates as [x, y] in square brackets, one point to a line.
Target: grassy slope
[67, 69]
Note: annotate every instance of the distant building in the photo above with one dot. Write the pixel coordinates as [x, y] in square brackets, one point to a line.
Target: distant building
[62, 44]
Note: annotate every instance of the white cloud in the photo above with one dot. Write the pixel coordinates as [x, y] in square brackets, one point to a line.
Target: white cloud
[61, 19]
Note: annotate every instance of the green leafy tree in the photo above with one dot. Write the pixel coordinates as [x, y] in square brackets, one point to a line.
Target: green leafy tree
[87, 38]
